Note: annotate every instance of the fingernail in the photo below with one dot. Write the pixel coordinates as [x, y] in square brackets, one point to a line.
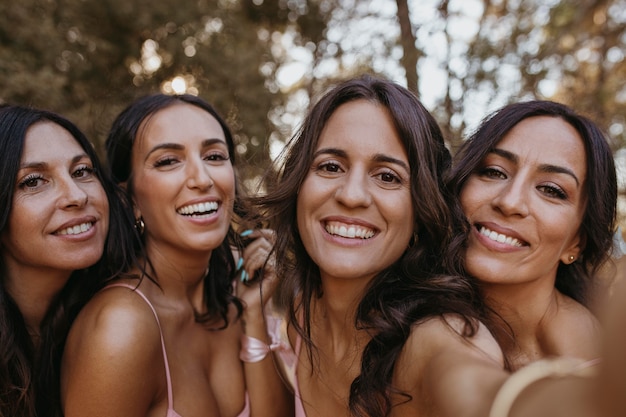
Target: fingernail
[246, 233]
[239, 264]
[244, 276]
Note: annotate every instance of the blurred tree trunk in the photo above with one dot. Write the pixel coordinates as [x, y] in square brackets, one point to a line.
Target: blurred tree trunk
[411, 52]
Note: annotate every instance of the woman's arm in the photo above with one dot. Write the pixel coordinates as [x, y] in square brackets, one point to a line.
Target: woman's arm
[268, 393]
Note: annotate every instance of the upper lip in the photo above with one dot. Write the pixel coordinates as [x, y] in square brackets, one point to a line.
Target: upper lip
[76, 222]
[502, 230]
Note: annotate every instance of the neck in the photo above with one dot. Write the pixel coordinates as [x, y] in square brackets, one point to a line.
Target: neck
[333, 317]
[180, 280]
[527, 312]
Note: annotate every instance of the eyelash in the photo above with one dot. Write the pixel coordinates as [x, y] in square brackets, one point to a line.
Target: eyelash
[395, 178]
[82, 171]
[491, 173]
[29, 179]
[549, 190]
[164, 162]
[324, 166]
[554, 191]
[169, 160]
[216, 156]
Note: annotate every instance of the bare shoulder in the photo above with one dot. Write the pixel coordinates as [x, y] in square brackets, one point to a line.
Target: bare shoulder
[113, 362]
[448, 371]
[117, 316]
[450, 332]
[574, 331]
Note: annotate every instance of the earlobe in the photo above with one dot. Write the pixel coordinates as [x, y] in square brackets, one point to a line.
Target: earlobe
[573, 252]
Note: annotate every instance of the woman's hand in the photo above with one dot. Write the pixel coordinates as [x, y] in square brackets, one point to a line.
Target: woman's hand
[256, 275]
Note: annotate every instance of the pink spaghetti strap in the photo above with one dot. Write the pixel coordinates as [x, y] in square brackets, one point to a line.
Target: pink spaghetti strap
[170, 395]
[299, 405]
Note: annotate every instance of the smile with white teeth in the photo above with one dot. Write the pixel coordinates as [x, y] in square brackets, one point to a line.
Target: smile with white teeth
[499, 237]
[199, 209]
[349, 231]
[74, 230]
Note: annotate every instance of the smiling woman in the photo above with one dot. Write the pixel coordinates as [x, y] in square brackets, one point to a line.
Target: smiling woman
[537, 183]
[362, 228]
[164, 338]
[58, 209]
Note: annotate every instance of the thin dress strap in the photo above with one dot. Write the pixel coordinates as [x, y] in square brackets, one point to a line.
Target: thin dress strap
[296, 385]
[170, 395]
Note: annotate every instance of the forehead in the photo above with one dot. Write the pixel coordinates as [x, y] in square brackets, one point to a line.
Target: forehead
[178, 122]
[546, 140]
[362, 125]
[46, 140]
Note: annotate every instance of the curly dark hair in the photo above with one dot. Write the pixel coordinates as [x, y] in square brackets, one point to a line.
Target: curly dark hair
[414, 287]
[30, 373]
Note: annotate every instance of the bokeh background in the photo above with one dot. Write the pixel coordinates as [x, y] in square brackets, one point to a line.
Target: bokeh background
[262, 62]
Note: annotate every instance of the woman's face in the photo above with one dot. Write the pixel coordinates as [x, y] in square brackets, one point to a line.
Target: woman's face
[60, 214]
[354, 209]
[183, 181]
[525, 203]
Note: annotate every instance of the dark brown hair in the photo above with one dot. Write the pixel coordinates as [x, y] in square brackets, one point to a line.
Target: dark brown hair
[218, 289]
[30, 375]
[408, 291]
[600, 186]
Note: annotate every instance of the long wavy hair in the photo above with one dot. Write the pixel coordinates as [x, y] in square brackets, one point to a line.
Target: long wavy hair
[218, 288]
[407, 292]
[600, 187]
[30, 374]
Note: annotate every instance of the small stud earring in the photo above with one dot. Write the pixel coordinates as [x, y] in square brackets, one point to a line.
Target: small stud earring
[571, 258]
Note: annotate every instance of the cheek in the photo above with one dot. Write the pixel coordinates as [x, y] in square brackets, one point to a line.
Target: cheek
[225, 179]
[474, 195]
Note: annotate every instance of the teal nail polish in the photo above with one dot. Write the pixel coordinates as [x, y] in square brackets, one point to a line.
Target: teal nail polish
[246, 233]
[244, 276]
[239, 264]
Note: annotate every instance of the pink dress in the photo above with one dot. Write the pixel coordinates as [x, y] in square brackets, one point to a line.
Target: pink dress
[276, 328]
[170, 396]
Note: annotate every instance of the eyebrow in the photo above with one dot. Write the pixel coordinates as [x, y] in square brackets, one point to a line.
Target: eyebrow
[43, 165]
[179, 147]
[548, 168]
[379, 157]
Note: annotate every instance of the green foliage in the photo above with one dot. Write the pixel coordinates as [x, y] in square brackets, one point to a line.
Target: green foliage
[87, 59]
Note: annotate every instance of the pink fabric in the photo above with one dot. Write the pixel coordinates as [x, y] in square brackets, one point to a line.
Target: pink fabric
[296, 387]
[170, 396]
[246, 408]
[277, 330]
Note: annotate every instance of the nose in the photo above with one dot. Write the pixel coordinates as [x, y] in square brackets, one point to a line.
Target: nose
[512, 199]
[198, 175]
[353, 189]
[72, 194]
